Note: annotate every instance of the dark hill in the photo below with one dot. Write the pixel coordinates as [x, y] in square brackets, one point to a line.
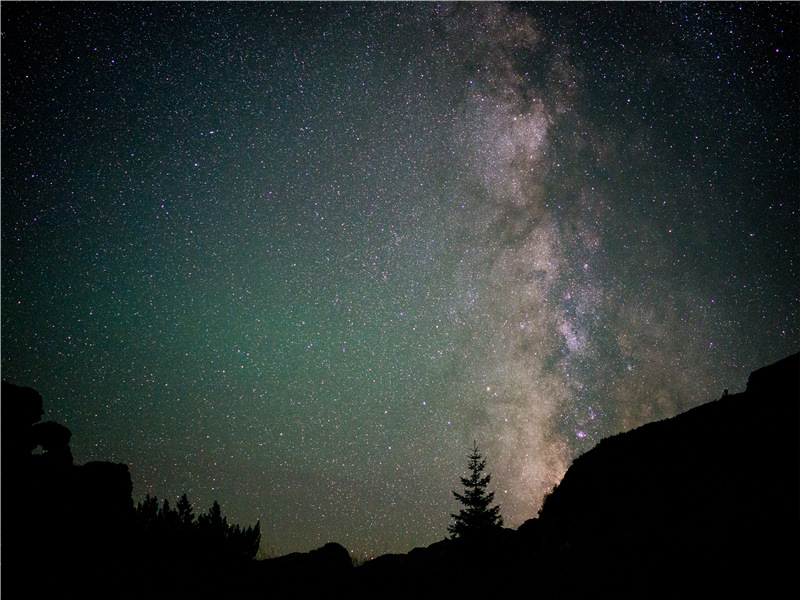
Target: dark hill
[705, 503]
[709, 498]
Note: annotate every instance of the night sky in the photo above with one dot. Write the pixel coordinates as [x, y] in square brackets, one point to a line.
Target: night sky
[297, 257]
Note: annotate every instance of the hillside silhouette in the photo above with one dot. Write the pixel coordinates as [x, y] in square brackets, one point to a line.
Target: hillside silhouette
[704, 503]
[707, 501]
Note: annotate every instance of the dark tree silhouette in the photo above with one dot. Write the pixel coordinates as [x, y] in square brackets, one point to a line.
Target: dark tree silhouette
[245, 542]
[213, 521]
[170, 516]
[147, 513]
[233, 541]
[186, 540]
[476, 516]
[185, 512]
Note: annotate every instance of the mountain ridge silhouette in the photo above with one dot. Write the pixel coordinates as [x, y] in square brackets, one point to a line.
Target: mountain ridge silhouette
[704, 503]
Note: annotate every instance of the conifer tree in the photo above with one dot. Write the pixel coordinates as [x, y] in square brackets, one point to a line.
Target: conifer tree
[185, 512]
[169, 516]
[147, 513]
[476, 516]
[212, 525]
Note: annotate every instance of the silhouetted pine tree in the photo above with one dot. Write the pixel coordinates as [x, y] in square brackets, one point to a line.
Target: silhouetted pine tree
[212, 525]
[185, 512]
[169, 516]
[230, 540]
[244, 542]
[476, 516]
[184, 539]
[147, 513]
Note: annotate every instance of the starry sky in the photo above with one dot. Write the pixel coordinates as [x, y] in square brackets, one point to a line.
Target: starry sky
[297, 257]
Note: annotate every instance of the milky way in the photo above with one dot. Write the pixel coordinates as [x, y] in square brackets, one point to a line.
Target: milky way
[297, 258]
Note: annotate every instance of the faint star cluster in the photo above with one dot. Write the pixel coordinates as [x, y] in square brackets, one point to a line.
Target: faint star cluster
[296, 257]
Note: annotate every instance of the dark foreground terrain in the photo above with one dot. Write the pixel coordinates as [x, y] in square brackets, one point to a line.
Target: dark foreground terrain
[704, 504]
